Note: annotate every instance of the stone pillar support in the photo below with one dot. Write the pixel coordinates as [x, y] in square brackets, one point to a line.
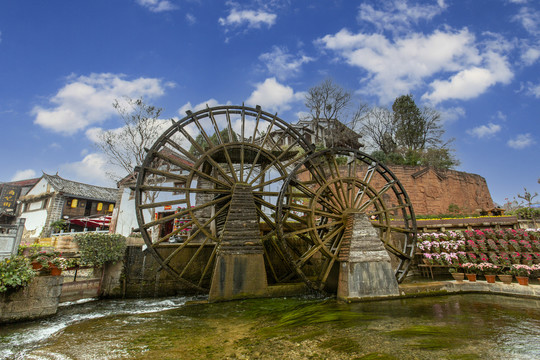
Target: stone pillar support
[365, 272]
[239, 269]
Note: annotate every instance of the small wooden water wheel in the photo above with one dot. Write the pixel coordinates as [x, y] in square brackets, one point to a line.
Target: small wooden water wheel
[186, 183]
[316, 201]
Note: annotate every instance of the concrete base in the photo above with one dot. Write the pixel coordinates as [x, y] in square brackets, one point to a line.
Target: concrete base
[238, 276]
[365, 280]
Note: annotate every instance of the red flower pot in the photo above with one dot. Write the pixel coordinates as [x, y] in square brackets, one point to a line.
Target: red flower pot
[55, 271]
[36, 265]
[523, 280]
[490, 278]
[471, 277]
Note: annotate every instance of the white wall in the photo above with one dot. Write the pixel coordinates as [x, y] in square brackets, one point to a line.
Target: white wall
[35, 221]
[127, 220]
[39, 188]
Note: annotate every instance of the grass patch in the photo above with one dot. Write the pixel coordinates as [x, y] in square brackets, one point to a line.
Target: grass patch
[430, 337]
[376, 356]
[345, 345]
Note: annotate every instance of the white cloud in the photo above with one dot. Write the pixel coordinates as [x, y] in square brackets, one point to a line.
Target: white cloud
[534, 89]
[157, 5]
[500, 115]
[529, 19]
[398, 15]
[191, 19]
[282, 64]
[200, 106]
[455, 64]
[396, 67]
[273, 96]
[530, 55]
[92, 169]
[484, 131]
[449, 115]
[251, 18]
[521, 141]
[88, 100]
[23, 175]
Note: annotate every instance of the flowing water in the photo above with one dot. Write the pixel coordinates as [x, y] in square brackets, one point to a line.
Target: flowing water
[446, 327]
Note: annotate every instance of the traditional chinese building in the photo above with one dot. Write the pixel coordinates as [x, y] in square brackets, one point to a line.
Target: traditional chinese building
[9, 198]
[328, 133]
[53, 198]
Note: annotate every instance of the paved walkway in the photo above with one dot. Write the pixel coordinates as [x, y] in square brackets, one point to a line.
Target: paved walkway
[498, 288]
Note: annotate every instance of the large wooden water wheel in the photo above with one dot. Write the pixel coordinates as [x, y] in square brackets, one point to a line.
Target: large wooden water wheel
[319, 196]
[185, 185]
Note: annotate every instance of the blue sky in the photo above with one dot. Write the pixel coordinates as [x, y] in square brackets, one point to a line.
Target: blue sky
[62, 64]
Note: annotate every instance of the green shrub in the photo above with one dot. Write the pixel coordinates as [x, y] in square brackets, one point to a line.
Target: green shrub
[59, 225]
[15, 272]
[528, 213]
[97, 249]
[341, 160]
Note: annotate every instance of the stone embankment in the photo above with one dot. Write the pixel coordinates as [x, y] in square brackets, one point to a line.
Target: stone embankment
[452, 287]
[37, 300]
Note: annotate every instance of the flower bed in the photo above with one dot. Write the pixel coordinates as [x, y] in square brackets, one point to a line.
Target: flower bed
[490, 250]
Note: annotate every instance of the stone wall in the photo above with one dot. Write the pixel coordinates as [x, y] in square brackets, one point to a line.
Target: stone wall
[37, 300]
[140, 275]
[432, 191]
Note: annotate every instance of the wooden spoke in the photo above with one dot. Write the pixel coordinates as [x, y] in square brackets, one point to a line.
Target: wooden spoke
[163, 203]
[166, 174]
[174, 233]
[225, 151]
[184, 212]
[183, 189]
[190, 168]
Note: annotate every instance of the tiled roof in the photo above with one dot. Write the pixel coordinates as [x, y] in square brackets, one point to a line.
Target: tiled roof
[22, 183]
[81, 190]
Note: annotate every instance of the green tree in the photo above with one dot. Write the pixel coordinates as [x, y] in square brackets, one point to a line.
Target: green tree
[408, 123]
[408, 135]
[224, 134]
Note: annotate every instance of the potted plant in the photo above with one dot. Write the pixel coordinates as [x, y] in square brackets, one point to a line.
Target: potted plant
[456, 272]
[489, 270]
[506, 276]
[57, 264]
[522, 273]
[535, 269]
[470, 271]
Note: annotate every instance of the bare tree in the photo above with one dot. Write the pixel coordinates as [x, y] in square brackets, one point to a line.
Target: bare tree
[125, 147]
[528, 197]
[377, 127]
[327, 101]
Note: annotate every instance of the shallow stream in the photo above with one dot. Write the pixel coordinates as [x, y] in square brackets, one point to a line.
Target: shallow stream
[446, 327]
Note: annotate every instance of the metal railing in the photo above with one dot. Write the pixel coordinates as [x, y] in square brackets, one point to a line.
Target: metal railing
[73, 232]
